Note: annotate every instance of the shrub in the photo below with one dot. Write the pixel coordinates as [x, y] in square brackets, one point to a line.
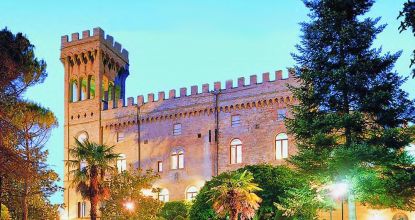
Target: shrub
[175, 210]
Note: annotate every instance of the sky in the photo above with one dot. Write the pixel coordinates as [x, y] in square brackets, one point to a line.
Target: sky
[180, 43]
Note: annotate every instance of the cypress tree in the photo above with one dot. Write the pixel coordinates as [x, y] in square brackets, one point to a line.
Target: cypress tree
[350, 121]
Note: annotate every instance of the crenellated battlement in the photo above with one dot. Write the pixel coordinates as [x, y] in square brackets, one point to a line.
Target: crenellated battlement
[97, 35]
[228, 87]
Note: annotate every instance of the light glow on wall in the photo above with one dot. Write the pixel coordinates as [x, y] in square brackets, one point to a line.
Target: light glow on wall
[376, 215]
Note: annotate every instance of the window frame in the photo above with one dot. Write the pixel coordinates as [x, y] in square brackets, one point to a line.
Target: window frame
[282, 146]
[159, 166]
[235, 121]
[177, 131]
[120, 138]
[177, 159]
[236, 151]
[122, 163]
[191, 195]
[281, 117]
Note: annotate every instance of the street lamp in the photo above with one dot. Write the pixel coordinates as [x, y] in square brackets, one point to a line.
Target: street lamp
[338, 190]
[129, 206]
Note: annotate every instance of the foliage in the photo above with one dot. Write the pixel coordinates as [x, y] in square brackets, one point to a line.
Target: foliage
[280, 186]
[89, 180]
[234, 195]
[348, 124]
[128, 186]
[408, 14]
[4, 213]
[175, 210]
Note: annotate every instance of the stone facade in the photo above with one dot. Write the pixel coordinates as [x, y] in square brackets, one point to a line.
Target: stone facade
[96, 108]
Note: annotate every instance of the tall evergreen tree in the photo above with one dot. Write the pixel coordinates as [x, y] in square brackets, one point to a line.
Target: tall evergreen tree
[349, 124]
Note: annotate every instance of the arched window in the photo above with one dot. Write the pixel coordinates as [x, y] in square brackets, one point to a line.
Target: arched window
[122, 163]
[104, 87]
[191, 193]
[83, 88]
[110, 91]
[400, 216]
[91, 87]
[236, 151]
[163, 195]
[177, 159]
[74, 90]
[281, 146]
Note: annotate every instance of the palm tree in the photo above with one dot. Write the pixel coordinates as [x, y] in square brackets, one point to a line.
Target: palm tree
[91, 162]
[235, 195]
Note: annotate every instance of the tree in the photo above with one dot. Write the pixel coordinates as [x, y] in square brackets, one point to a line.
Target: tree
[235, 195]
[349, 121]
[128, 186]
[91, 162]
[175, 210]
[19, 69]
[408, 14]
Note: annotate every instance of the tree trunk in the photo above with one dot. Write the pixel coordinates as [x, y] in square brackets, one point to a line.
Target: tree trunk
[233, 215]
[93, 192]
[24, 201]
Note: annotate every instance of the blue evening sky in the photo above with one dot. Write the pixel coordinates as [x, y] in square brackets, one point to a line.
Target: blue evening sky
[180, 43]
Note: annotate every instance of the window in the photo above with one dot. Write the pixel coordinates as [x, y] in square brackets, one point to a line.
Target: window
[122, 163]
[74, 90]
[191, 193]
[177, 160]
[236, 151]
[177, 129]
[82, 137]
[159, 166]
[120, 136]
[163, 195]
[235, 120]
[282, 113]
[281, 146]
[83, 89]
[91, 87]
[81, 209]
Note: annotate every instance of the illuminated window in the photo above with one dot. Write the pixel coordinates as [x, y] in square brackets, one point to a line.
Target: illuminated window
[91, 87]
[83, 88]
[235, 120]
[282, 113]
[82, 165]
[177, 129]
[281, 146]
[163, 195]
[81, 209]
[120, 136]
[191, 193]
[159, 166]
[177, 160]
[122, 163]
[236, 151]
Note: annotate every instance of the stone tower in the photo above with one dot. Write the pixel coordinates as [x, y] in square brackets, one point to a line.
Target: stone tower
[95, 68]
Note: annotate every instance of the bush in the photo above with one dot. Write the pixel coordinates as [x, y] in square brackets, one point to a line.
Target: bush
[175, 210]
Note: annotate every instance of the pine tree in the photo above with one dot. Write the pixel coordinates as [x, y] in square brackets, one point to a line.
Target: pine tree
[350, 121]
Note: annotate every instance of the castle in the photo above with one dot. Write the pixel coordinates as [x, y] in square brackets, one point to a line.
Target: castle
[187, 137]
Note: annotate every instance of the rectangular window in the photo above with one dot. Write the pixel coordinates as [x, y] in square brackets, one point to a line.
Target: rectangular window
[181, 161]
[282, 114]
[122, 164]
[235, 120]
[174, 161]
[159, 166]
[120, 136]
[177, 129]
[239, 154]
[81, 209]
[281, 149]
